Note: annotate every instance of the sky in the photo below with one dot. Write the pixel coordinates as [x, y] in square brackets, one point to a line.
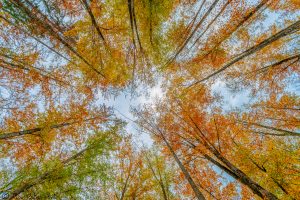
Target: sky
[122, 105]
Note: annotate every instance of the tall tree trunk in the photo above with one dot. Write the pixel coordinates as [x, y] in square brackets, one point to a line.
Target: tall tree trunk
[285, 132]
[43, 177]
[239, 175]
[159, 180]
[192, 33]
[88, 8]
[4, 136]
[54, 33]
[197, 192]
[289, 30]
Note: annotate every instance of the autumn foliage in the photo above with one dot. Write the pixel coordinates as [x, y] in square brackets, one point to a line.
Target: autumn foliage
[225, 125]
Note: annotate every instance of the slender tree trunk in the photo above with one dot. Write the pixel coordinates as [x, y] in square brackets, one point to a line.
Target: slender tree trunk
[191, 182]
[43, 177]
[237, 26]
[56, 35]
[212, 21]
[159, 180]
[193, 32]
[125, 185]
[278, 63]
[285, 132]
[263, 169]
[239, 175]
[289, 30]
[36, 39]
[197, 192]
[87, 7]
[130, 10]
[4, 136]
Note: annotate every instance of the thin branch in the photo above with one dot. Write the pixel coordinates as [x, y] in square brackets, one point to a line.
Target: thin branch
[289, 30]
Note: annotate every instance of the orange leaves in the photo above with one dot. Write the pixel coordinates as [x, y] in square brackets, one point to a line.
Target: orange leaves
[39, 131]
[243, 34]
[229, 191]
[282, 112]
[218, 57]
[58, 58]
[12, 124]
[69, 5]
[289, 5]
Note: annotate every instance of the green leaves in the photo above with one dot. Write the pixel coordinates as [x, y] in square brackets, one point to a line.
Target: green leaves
[229, 73]
[16, 13]
[63, 177]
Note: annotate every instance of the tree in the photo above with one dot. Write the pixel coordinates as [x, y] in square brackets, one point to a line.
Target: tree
[226, 125]
[66, 176]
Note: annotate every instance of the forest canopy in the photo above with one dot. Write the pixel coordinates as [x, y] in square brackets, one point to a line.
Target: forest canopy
[212, 89]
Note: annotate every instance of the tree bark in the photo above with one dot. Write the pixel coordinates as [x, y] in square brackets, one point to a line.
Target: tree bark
[4, 136]
[285, 132]
[239, 175]
[43, 177]
[197, 192]
[56, 35]
[87, 7]
[289, 30]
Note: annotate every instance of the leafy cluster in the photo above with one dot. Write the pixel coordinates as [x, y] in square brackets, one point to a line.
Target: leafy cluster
[224, 126]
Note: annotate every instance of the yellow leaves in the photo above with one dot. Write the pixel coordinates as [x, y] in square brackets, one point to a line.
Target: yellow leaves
[243, 34]
[12, 125]
[73, 31]
[281, 111]
[97, 8]
[48, 118]
[110, 61]
[261, 38]
[192, 120]
[47, 134]
[30, 59]
[176, 32]
[217, 57]
[295, 4]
